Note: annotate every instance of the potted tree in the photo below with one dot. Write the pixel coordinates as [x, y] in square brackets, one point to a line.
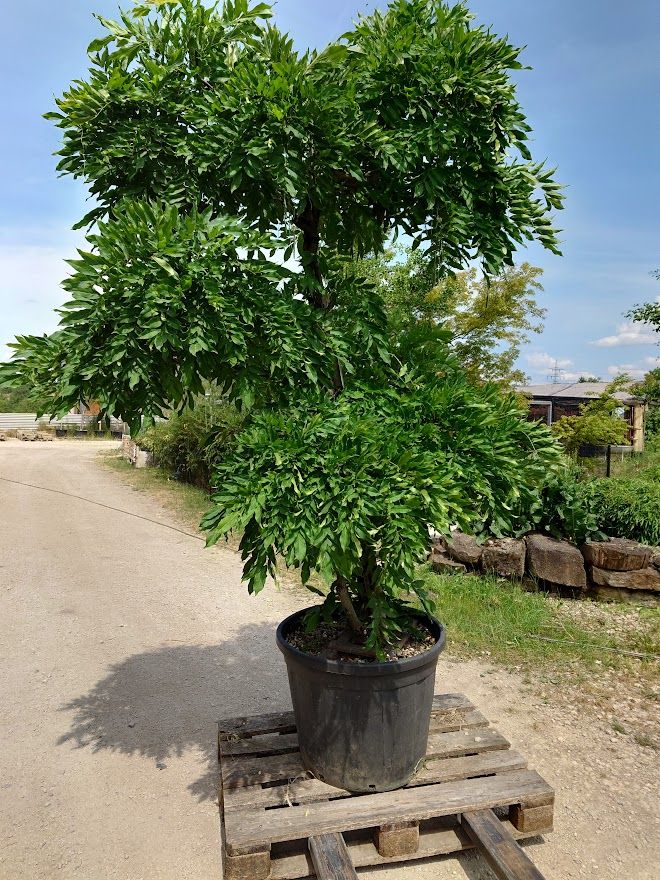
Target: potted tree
[234, 180]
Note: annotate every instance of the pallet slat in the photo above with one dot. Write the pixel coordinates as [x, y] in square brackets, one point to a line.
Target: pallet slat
[283, 722]
[331, 858]
[253, 828]
[436, 841]
[507, 860]
[252, 761]
[305, 791]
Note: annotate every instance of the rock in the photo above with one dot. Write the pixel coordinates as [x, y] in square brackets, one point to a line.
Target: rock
[655, 559]
[557, 562]
[504, 556]
[442, 564]
[617, 554]
[464, 548]
[642, 579]
[143, 459]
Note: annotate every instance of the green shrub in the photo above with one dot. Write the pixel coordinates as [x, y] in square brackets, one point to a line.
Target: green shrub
[626, 508]
[652, 423]
[192, 443]
[560, 508]
[348, 487]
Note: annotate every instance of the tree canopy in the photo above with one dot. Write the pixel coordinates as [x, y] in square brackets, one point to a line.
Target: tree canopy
[208, 142]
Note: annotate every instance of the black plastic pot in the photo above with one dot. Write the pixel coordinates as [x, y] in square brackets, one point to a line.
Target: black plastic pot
[362, 726]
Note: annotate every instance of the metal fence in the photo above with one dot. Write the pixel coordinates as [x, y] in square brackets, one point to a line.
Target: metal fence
[29, 422]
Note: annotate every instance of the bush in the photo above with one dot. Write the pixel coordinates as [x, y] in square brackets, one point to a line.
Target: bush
[652, 423]
[626, 508]
[560, 508]
[348, 487]
[192, 443]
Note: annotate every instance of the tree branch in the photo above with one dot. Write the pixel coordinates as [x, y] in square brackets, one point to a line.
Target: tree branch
[347, 605]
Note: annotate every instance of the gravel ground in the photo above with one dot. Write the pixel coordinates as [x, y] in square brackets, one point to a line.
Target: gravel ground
[123, 642]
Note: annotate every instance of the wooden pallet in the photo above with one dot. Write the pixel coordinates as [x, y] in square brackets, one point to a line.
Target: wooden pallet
[271, 807]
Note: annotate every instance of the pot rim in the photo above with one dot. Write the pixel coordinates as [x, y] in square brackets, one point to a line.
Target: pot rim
[343, 667]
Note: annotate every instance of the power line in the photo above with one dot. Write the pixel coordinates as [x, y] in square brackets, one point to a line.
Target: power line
[100, 504]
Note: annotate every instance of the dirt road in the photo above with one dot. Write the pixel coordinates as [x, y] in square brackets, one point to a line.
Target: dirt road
[122, 643]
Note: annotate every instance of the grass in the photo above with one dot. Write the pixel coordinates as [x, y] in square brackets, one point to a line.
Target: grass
[636, 466]
[493, 617]
[188, 502]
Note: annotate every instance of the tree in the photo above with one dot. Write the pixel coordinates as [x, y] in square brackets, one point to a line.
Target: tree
[18, 399]
[489, 318]
[648, 313]
[210, 145]
[598, 422]
[648, 389]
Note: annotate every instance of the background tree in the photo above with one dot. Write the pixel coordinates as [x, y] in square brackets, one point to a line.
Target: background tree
[648, 313]
[18, 399]
[489, 318]
[649, 390]
[598, 423]
[209, 144]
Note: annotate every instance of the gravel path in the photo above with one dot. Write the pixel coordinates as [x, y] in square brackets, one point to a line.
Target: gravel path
[123, 642]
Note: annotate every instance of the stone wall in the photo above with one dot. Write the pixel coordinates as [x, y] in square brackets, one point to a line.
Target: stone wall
[138, 457]
[615, 568]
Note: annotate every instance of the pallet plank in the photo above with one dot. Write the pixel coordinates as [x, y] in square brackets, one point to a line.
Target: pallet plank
[306, 791]
[456, 719]
[295, 862]
[284, 722]
[274, 722]
[507, 860]
[240, 769]
[464, 742]
[251, 828]
[269, 744]
[238, 772]
[330, 858]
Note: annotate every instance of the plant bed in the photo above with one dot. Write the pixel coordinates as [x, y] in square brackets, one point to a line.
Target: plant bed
[362, 724]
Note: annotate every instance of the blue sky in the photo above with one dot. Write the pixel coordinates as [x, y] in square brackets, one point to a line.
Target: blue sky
[593, 100]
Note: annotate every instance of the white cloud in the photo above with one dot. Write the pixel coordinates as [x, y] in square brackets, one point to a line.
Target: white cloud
[629, 333]
[637, 370]
[632, 370]
[542, 360]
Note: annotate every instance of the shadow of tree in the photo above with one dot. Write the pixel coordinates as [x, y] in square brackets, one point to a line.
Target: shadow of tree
[162, 703]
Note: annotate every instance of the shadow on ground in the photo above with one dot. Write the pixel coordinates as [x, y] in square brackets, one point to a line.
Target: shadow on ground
[163, 703]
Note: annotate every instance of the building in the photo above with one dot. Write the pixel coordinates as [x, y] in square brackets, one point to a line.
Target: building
[550, 402]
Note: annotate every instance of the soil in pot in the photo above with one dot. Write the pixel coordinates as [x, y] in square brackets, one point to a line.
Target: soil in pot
[362, 724]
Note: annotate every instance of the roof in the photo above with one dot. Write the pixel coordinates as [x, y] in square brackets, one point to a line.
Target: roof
[573, 390]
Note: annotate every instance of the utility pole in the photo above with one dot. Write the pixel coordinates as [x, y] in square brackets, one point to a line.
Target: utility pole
[555, 375]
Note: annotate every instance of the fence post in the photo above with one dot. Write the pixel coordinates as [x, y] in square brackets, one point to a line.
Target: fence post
[608, 459]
